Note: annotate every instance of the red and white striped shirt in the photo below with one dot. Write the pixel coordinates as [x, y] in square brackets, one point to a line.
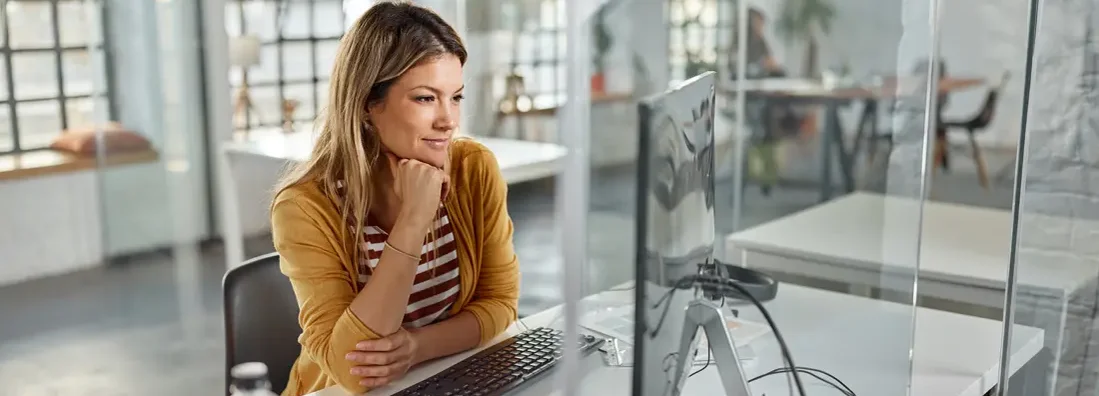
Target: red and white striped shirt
[435, 288]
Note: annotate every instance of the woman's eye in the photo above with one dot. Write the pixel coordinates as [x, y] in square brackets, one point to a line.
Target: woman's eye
[425, 99]
[459, 98]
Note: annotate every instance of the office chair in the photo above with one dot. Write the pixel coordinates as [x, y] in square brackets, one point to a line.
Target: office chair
[980, 122]
[261, 319]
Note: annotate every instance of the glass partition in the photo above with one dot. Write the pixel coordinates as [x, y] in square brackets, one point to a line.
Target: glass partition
[823, 144]
[1052, 225]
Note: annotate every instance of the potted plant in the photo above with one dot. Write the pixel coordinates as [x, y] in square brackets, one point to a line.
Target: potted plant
[696, 65]
[803, 20]
[602, 41]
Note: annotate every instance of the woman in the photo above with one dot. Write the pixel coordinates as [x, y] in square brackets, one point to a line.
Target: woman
[395, 237]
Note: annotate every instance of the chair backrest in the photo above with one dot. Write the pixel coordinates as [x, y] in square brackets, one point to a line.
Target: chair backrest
[261, 319]
[988, 109]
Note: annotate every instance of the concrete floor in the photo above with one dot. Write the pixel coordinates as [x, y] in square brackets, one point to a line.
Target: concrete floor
[152, 325]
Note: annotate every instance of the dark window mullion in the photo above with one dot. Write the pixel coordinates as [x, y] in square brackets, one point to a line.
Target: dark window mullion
[313, 55]
[55, 20]
[281, 13]
[10, 76]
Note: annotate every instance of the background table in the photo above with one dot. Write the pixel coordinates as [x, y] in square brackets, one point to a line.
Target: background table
[519, 161]
[872, 241]
[953, 355]
[808, 93]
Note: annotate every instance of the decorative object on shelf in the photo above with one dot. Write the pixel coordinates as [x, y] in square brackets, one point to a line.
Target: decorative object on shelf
[603, 41]
[244, 53]
[515, 102]
[804, 20]
[288, 108]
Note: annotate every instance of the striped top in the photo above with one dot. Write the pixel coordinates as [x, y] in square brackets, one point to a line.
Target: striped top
[435, 288]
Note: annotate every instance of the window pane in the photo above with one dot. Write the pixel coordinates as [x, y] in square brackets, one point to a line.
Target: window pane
[39, 122]
[75, 26]
[267, 70]
[7, 141]
[35, 75]
[326, 57]
[525, 50]
[30, 24]
[303, 93]
[265, 106]
[297, 62]
[322, 97]
[3, 80]
[78, 70]
[259, 19]
[328, 19]
[83, 111]
[547, 47]
[295, 20]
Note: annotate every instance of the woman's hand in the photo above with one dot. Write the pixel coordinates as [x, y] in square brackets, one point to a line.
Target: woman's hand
[419, 187]
[384, 360]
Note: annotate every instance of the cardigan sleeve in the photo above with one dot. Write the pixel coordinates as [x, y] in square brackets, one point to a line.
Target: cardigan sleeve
[496, 296]
[323, 289]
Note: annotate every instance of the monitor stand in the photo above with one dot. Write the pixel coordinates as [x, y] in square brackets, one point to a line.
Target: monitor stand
[706, 315]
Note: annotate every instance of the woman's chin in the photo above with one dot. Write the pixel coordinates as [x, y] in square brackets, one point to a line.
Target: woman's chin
[434, 160]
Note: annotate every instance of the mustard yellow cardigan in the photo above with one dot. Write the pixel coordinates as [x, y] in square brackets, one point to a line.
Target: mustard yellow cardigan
[315, 245]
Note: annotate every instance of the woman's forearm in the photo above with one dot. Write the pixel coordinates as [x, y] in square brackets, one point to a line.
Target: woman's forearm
[454, 335]
[381, 303]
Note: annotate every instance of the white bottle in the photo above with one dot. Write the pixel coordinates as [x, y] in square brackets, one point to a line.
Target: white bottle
[250, 379]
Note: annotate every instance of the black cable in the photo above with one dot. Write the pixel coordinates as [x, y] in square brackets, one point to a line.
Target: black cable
[810, 369]
[721, 282]
[842, 387]
[704, 366]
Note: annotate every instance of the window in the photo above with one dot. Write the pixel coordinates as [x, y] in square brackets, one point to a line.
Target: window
[538, 50]
[51, 70]
[700, 34]
[298, 42]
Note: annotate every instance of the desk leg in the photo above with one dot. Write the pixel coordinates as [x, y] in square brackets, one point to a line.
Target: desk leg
[830, 123]
[846, 162]
[231, 233]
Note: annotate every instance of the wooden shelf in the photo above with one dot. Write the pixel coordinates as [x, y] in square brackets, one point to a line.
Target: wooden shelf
[48, 162]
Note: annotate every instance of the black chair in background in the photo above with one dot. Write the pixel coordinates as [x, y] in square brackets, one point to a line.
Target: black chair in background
[977, 123]
[261, 319]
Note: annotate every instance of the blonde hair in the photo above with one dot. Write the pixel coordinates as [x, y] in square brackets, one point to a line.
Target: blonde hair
[387, 40]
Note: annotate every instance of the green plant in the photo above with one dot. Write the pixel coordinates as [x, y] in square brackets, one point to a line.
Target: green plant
[695, 65]
[603, 40]
[802, 20]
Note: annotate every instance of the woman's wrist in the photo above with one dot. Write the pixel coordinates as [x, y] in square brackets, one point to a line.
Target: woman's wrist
[408, 233]
[418, 353]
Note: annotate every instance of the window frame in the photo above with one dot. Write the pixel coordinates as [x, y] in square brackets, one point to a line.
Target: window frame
[721, 31]
[7, 52]
[280, 81]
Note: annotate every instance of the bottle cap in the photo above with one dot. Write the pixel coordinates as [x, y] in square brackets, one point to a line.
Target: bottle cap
[249, 376]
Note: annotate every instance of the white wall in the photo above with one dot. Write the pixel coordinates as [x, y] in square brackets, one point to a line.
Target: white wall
[51, 226]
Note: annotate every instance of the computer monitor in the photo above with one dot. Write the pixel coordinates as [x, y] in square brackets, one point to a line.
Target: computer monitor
[675, 222]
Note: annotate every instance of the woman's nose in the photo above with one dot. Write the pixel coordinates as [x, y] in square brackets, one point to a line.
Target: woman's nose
[447, 120]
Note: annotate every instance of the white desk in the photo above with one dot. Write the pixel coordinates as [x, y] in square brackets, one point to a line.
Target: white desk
[872, 240]
[861, 341]
[519, 161]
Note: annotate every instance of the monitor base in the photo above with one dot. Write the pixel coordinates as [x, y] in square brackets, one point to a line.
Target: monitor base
[706, 315]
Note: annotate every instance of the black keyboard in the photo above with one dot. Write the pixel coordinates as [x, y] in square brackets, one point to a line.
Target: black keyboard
[502, 367]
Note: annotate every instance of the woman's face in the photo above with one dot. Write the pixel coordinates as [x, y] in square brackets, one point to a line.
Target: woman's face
[420, 113]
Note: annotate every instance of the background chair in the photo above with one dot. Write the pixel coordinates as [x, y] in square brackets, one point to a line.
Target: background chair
[261, 319]
[979, 122]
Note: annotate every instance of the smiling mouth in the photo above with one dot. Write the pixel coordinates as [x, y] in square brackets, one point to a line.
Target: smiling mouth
[436, 143]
